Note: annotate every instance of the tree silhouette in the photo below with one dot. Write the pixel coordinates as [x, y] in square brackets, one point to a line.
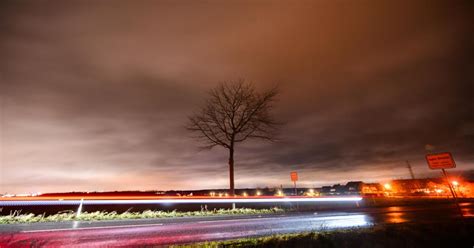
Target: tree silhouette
[233, 113]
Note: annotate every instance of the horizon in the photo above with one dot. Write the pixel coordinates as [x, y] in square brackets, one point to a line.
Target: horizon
[467, 175]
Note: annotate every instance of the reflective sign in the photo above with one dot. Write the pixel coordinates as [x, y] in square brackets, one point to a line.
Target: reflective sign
[440, 161]
[294, 176]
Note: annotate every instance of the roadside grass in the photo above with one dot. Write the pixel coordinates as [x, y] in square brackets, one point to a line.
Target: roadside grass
[452, 234]
[17, 217]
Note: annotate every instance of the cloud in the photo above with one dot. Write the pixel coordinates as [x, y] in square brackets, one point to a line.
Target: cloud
[96, 96]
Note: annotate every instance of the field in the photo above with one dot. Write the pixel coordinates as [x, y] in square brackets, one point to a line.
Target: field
[17, 217]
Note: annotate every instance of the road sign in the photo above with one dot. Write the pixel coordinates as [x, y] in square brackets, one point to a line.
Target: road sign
[444, 161]
[294, 176]
[440, 161]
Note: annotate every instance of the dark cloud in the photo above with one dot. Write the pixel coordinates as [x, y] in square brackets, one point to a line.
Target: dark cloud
[95, 96]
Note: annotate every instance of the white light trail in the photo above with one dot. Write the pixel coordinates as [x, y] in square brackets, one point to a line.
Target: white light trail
[178, 201]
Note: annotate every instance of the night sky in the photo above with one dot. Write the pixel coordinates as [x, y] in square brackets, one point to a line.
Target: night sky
[95, 94]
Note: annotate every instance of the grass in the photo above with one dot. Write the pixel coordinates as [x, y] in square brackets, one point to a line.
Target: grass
[17, 217]
[452, 234]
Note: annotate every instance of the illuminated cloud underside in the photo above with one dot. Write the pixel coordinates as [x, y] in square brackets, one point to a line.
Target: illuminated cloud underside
[95, 97]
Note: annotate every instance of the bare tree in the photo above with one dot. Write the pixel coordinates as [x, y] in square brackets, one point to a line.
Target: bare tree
[234, 112]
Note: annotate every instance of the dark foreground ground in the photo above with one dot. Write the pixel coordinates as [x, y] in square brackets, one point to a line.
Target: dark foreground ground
[438, 234]
[434, 225]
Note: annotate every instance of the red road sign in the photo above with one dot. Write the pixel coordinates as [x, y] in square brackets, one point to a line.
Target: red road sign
[440, 161]
[294, 176]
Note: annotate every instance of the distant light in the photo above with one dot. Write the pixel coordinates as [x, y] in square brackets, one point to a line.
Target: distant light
[258, 193]
[280, 193]
[455, 183]
[387, 186]
[311, 192]
[245, 194]
[438, 190]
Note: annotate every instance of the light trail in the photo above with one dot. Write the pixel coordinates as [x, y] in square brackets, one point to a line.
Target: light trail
[177, 201]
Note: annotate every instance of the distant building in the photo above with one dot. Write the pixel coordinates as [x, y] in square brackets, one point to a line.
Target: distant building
[351, 188]
[430, 187]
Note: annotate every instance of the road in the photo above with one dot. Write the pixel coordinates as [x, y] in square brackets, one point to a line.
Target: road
[197, 229]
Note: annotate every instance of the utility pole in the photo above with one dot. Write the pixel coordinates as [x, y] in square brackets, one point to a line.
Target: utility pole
[451, 188]
[410, 169]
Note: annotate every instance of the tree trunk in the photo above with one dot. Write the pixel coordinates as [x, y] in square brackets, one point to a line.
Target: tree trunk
[231, 171]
